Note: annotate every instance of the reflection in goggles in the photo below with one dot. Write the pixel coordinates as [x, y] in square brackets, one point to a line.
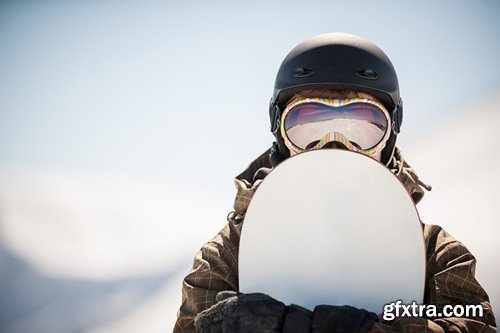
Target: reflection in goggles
[364, 124]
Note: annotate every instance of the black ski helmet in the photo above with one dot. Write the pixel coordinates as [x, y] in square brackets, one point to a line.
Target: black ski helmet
[337, 61]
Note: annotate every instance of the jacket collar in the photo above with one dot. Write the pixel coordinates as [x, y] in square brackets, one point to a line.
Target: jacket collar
[246, 185]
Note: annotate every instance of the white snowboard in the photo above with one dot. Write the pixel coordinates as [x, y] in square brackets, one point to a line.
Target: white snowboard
[333, 227]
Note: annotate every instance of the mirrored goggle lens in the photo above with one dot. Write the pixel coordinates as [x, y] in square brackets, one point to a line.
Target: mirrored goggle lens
[364, 124]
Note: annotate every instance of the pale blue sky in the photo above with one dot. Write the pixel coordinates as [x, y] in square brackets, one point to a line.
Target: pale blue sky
[179, 91]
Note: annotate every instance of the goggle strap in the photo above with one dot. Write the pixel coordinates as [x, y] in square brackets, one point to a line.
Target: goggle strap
[275, 116]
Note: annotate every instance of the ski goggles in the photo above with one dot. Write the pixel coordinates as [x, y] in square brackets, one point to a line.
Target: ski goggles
[360, 124]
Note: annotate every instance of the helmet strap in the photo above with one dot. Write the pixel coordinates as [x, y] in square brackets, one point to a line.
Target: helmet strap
[276, 157]
[388, 150]
[281, 146]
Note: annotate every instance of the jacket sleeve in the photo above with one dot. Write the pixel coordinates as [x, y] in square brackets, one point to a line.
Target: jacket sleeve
[215, 268]
[450, 281]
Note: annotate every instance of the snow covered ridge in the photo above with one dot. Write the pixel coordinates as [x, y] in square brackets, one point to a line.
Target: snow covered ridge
[76, 226]
[96, 252]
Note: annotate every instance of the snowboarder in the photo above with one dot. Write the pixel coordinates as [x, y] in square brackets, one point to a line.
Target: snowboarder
[322, 82]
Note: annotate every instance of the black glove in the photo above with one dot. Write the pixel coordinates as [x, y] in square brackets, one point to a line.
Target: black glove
[341, 319]
[236, 312]
[297, 319]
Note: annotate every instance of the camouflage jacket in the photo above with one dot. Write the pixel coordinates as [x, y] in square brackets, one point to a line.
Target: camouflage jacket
[449, 273]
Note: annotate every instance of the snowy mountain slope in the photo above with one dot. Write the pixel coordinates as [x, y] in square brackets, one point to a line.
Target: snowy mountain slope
[79, 253]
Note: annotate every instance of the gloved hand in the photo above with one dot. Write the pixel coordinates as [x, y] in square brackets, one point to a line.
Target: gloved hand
[343, 319]
[237, 312]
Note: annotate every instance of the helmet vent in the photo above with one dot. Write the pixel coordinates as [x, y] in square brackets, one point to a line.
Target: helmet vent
[369, 74]
[302, 71]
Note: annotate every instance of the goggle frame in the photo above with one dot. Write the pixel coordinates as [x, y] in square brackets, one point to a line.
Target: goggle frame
[336, 102]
